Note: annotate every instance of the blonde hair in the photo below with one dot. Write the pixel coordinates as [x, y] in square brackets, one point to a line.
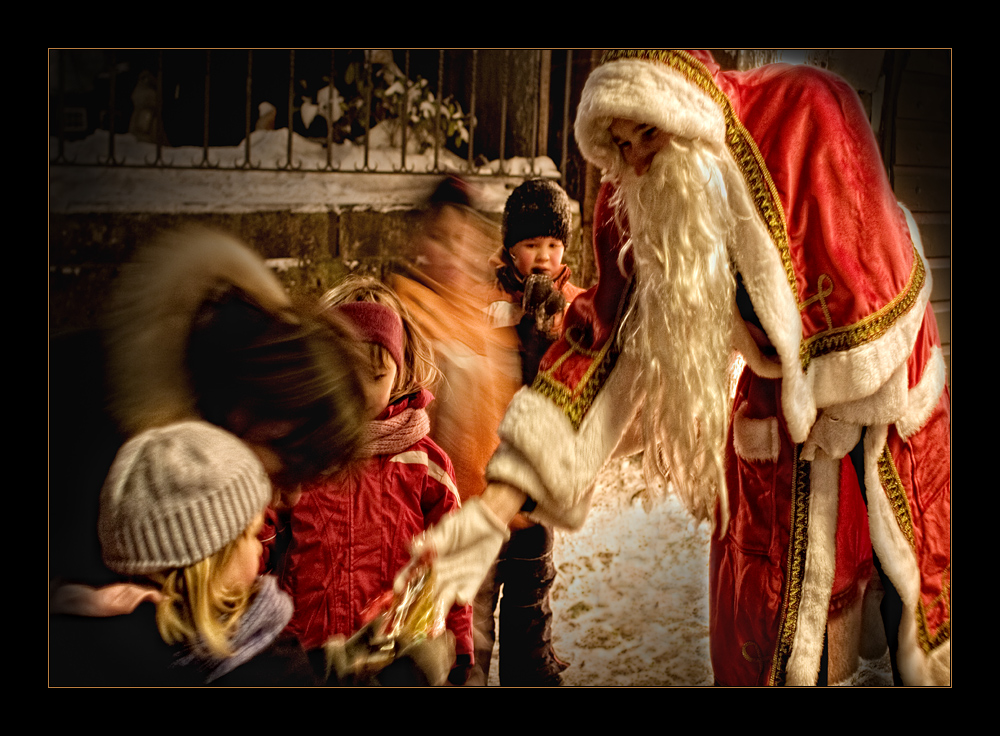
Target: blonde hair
[418, 370]
[197, 608]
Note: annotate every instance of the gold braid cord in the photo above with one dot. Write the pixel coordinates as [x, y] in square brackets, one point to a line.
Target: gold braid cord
[871, 327]
[892, 485]
[794, 570]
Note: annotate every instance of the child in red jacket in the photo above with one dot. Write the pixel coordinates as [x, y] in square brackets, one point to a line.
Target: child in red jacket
[351, 532]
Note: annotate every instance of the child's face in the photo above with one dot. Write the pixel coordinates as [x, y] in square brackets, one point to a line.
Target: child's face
[538, 255]
[243, 566]
[378, 382]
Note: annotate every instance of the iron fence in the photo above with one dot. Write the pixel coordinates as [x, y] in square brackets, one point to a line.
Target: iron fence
[472, 112]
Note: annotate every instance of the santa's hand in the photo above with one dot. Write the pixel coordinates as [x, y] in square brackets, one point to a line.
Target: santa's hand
[460, 548]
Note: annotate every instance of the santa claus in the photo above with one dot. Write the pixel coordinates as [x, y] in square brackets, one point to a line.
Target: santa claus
[749, 210]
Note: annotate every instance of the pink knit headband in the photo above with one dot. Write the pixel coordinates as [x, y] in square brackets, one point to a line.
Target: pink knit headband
[376, 323]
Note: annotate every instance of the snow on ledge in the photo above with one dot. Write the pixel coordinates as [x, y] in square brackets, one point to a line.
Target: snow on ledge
[94, 188]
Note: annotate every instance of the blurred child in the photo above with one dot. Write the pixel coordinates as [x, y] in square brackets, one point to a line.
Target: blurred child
[351, 531]
[445, 289]
[535, 291]
[181, 508]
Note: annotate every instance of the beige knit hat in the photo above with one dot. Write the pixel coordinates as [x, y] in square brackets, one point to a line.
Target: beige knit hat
[176, 495]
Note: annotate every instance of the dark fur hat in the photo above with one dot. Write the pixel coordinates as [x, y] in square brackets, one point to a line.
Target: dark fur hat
[537, 208]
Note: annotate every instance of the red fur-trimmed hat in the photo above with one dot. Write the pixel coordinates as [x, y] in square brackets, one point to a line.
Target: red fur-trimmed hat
[375, 323]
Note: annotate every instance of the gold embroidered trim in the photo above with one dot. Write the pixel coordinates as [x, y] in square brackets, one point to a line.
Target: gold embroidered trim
[894, 491]
[575, 405]
[928, 642]
[752, 654]
[795, 568]
[741, 145]
[898, 502]
[871, 327]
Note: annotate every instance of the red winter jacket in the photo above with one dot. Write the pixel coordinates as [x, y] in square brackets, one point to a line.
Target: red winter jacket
[351, 534]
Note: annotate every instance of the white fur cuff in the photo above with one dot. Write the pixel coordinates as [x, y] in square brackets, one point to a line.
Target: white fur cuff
[755, 439]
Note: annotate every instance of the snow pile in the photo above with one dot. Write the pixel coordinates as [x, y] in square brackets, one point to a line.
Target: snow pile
[631, 600]
[269, 150]
[630, 603]
[307, 186]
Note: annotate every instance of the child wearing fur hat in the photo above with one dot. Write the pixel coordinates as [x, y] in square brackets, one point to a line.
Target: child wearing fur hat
[351, 531]
[536, 290]
[530, 273]
[181, 509]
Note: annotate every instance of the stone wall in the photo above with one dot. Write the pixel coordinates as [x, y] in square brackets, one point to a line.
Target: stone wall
[310, 251]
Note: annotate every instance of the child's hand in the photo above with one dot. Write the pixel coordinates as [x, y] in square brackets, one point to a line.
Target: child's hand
[460, 548]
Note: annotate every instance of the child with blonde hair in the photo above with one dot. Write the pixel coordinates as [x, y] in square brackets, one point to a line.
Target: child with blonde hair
[179, 513]
[351, 531]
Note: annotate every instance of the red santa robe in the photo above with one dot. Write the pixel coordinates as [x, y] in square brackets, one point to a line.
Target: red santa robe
[835, 272]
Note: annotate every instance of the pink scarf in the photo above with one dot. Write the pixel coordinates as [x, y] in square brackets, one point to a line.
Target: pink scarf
[404, 424]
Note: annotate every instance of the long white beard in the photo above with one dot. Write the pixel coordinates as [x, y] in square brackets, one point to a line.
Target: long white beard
[681, 324]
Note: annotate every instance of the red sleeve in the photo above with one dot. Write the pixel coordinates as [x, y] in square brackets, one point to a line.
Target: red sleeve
[592, 314]
[592, 317]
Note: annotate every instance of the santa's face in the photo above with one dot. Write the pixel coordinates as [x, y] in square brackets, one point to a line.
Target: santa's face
[638, 142]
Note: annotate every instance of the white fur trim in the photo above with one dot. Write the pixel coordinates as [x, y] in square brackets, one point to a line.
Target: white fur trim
[939, 665]
[764, 277]
[900, 564]
[882, 407]
[911, 223]
[541, 454]
[647, 92]
[821, 563]
[755, 439]
[868, 376]
[857, 373]
[924, 397]
[435, 471]
[870, 673]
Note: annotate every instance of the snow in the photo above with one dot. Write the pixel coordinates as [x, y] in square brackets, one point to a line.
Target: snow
[630, 603]
[138, 184]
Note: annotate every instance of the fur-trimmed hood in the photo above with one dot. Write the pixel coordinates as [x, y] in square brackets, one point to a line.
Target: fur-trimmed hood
[838, 283]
